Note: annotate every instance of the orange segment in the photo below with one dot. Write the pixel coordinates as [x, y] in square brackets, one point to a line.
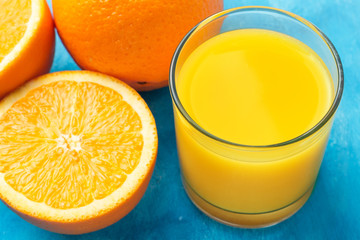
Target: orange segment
[13, 23]
[71, 140]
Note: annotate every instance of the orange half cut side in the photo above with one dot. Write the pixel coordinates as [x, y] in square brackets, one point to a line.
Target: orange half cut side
[77, 150]
[27, 41]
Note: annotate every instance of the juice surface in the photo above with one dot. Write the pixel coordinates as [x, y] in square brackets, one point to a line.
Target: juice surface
[252, 87]
[255, 87]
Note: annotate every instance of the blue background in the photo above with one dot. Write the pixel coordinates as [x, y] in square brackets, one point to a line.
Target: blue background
[165, 212]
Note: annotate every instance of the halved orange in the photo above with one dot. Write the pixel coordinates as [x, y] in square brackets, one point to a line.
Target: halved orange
[27, 41]
[77, 150]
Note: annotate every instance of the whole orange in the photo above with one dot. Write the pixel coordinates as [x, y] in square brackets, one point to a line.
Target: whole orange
[131, 40]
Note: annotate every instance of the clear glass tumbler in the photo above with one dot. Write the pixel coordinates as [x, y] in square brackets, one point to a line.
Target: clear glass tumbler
[245, 192]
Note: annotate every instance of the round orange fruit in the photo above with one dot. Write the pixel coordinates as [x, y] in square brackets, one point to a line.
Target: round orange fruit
[77, 151]
[27, 41]
[131, 40]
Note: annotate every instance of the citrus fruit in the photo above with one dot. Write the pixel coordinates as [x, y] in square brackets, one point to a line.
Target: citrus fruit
[26, 42]
[77, 150]
[131, 40]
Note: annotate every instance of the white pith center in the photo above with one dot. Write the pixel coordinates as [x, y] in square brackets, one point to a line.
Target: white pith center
[69, 142]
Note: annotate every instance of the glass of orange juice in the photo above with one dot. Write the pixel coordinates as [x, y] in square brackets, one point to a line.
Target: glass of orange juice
[254, 91]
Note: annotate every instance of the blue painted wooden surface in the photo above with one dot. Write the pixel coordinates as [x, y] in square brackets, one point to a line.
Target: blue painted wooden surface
[165, 212]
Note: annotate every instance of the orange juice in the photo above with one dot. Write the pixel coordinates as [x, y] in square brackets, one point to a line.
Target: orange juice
[256, 88]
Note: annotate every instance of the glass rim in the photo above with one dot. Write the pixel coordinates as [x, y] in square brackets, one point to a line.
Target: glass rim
[331, 111]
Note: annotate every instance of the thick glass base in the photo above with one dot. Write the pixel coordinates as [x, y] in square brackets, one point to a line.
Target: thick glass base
[257, 220]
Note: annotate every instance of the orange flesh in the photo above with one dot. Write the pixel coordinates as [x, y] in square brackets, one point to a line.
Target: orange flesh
[69, 143]
[14, 16]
